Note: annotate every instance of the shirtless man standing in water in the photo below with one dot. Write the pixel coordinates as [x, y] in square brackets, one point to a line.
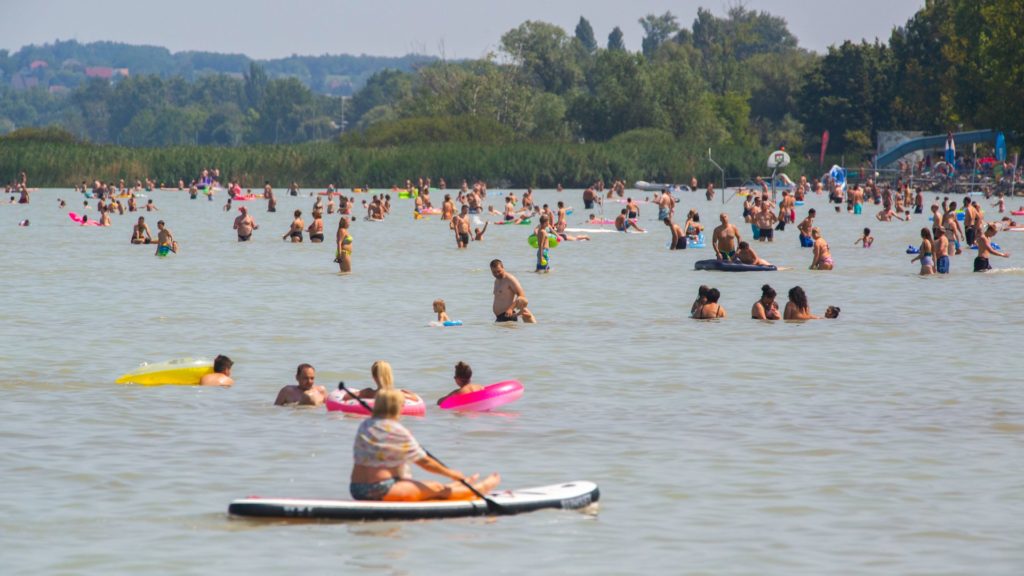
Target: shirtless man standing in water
[724, 239]
[985, 248]
[244, 224]
[506, 290]
[460, 224]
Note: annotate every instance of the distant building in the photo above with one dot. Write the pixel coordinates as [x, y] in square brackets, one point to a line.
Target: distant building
[99, 72]
[72, 65]
[58, 89]
[38, 64]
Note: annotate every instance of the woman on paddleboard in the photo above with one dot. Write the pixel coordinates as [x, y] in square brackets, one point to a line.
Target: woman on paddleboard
[382, 452]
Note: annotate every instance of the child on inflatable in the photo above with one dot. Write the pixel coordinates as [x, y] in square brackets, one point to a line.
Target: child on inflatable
[439, 308]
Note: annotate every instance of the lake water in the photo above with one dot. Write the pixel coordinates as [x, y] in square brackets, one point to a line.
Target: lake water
[889, 441]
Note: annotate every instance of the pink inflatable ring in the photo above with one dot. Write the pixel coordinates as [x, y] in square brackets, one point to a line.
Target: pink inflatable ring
[352, 406]
[487, 399]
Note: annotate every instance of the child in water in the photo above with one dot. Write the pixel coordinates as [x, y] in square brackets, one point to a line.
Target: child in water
[463, 376]
[521, 310]
[866, 240]
[439, 308]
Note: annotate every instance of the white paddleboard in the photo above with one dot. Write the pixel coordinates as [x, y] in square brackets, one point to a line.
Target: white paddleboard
[567, 496]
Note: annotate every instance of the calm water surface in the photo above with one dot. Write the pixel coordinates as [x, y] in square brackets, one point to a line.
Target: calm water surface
[890, 441]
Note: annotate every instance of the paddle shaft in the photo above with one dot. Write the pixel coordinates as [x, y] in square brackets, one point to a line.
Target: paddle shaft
[491, 504]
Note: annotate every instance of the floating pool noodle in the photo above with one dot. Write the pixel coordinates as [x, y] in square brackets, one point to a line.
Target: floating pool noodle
[489, 398]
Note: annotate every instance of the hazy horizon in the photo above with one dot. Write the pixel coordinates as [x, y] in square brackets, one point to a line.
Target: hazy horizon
[262, 29]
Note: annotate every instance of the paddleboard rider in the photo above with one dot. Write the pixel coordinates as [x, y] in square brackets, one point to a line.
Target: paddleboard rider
[382, 451]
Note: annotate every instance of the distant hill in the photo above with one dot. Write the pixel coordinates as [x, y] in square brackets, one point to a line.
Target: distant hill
[67, 64]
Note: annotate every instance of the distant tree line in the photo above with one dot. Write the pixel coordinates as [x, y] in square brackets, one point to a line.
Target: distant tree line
[739, 80]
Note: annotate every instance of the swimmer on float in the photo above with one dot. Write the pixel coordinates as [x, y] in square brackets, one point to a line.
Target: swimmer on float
[221, 375]
[439, 309]
[746, 255]
[623, 224]
[384, 379]
[463, 377]
[305, 393]
[382, 452]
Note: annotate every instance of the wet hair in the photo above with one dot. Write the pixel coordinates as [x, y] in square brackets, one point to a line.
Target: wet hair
[382, 375]
[303, 366]
[832, 312]
[867, 231]
[703, 291]
[798, 297]
[812, 212]
[388, 404]
[463, 372]
[744, 245]
[222, 363]
[298, 213]
[713, 295]
[767, 291]
[495, 262]
[439, 305]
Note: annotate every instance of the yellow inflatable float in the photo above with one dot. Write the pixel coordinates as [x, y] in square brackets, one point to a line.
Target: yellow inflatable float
[178, 372]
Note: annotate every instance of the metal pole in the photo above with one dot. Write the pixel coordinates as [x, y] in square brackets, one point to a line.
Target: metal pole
[722, 170]
[1013, 180]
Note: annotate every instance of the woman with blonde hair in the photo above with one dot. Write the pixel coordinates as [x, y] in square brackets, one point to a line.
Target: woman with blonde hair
[385, 380]
[382, 452]
[822, 256]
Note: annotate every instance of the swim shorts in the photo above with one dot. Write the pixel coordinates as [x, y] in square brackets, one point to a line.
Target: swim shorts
[942, 265]
[981, 264]
[370, 490]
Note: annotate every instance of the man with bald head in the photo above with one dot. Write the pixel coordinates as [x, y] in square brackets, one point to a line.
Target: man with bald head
[724, 239]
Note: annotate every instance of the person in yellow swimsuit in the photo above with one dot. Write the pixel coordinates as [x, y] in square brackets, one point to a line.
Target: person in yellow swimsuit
[344, 250]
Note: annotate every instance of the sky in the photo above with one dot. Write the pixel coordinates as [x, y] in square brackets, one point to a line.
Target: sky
[452, 29]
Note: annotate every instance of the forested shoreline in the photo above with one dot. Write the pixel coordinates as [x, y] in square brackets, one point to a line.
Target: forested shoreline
[554, 107]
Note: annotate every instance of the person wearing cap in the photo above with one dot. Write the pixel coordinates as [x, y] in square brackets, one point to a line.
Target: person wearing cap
[244, 224]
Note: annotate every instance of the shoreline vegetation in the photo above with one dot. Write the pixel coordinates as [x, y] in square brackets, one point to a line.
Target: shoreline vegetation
[317, 164]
